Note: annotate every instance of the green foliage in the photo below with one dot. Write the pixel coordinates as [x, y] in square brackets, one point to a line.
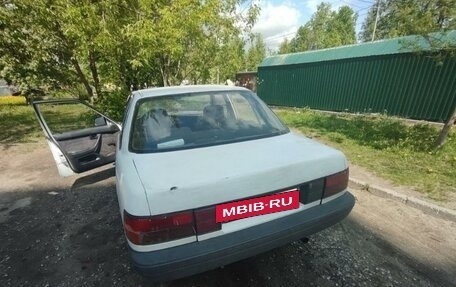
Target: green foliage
[381, 30]
[108, 45]
[398, 151]
[188, 39]
[256, 53]
[18, 124]
[113, 104]
[409, 17]
[325, 29]
[232, 57]
[62, 118]
[285, 47]
[20, 58]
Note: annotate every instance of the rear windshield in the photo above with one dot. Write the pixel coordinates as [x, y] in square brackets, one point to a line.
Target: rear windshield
[200, 119]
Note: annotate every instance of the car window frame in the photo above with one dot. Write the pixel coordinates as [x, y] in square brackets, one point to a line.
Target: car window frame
[125, 116]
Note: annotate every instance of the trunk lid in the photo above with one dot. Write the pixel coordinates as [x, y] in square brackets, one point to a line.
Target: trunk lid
[193, 178]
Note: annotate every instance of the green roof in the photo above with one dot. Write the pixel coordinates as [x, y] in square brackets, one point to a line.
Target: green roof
[377, 48]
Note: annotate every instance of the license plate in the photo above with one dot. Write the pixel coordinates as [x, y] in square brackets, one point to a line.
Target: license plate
[257, 206]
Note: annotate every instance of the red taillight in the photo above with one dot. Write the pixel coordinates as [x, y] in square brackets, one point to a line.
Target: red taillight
[205, 220]
[155, 229]
[336, 183]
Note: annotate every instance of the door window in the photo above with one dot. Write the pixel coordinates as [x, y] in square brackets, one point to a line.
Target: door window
[85, 138]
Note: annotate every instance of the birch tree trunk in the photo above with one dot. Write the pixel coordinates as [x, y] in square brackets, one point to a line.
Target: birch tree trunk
[445, 130]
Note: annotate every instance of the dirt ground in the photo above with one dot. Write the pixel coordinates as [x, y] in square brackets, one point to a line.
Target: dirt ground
[68, 232]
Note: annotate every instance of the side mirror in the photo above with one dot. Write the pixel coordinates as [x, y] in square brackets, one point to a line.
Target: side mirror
[100, 121]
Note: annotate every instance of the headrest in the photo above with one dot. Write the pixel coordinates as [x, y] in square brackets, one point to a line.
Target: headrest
[214, 111]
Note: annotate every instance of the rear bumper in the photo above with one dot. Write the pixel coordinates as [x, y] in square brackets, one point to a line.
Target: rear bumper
[196, 257]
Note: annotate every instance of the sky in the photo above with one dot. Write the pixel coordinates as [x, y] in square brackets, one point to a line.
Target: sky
[280, 19]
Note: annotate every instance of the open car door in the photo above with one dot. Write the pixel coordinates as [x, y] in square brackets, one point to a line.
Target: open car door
[80, 137]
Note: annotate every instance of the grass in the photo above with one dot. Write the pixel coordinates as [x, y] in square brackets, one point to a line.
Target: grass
[396, 151]
[67, 117]
[18, 122]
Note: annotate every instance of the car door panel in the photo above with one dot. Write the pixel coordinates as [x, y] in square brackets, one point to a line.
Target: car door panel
[81, 146]
[78, 139]
[86, 132]
[60, 160]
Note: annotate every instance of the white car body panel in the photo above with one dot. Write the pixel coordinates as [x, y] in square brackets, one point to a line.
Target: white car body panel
[163, 245]
[130, 192]
[199, 177]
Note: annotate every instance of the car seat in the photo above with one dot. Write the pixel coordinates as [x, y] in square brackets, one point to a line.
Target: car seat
[214, 116]
[157, 125]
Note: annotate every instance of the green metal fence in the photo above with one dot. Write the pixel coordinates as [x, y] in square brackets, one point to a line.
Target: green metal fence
[379, 77]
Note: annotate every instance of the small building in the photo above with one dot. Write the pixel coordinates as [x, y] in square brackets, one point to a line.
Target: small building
[247, 80]
[386, 76]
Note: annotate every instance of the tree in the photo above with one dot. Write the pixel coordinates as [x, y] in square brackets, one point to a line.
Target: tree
[381, 28]
[409, 17]
[119, 44]
[230, 59]
[343, 27]
[185, 37]
[285, 47]
[21, 62]
[256, 53]
[325, 29]
[59, 43]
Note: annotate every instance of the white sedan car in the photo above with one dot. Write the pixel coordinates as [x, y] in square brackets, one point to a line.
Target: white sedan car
[206, 175]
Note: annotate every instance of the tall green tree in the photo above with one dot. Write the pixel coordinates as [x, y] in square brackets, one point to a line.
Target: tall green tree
[409, 17]
[375, 18]
[183, 38]
[63, 44]
[325, 29]
[284, 47]
[229, 60]
[256, 52]
[343, 26]
[119, 44]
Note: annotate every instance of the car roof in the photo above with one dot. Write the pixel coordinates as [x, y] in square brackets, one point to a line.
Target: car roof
[163, 91]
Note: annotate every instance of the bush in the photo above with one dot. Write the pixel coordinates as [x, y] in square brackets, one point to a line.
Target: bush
[113, 104]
